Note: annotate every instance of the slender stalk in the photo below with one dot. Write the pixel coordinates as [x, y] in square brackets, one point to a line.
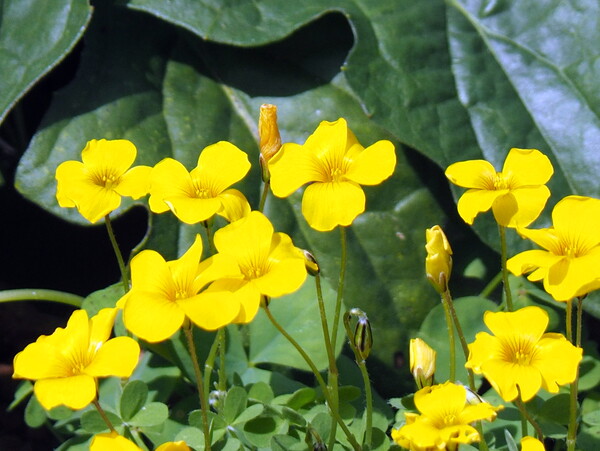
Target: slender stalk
[491, 286]
[318, 376]
[263, 196]
[569, 320]
[366, 381]
[507, 292]
[340, 291]
[103, 415]
[115, 246]
[35, 294]
[222, 376]
[450, 327]
[525, 418]
[572, 431]
[209, 237]
[482, 443]
[209, 364]
[333, 374]
[189, 335]
[461, 336]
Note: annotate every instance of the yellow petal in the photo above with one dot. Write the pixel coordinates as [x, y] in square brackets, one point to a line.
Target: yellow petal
[111, 441]
[578, 216]
[75, 392]
[135, 183]
[292, 167]
[101, 326]
[531, 321]
[448, 397]
[221, 165]
[152, 317]
[478, 174]
[520, 207]
[327, 205]
[117, 357]
[505, 377]
[526, 167]
[168, 178]
[246, 295]
[193, 210]
[569, 277]
[247, 240]
[234, 205]
[173, 446]
[40, 360]
[69, 176]
[211, 310]
[530, 260]
[184, 270]
[475, 201]
[150, 273]
[218, 266]
[557, 361]
[118, 154]
[484, 348]
[531, 444]
[373, 165]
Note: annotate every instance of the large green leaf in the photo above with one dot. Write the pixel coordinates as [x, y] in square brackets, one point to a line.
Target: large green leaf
[35, 36]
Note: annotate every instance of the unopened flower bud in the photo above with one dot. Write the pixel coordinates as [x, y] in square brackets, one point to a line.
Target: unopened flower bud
[312, 267]
[270, 140]
[422, 362]
[363, 337]
[438, 263]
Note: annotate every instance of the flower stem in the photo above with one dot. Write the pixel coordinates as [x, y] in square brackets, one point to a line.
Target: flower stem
[332, 375]
[569, 320]
[209, 364]
[525, 417]
[222, 376]
[209, 237]
[263, 196]
[450, 327]
[491, 286]
[318, 376]
[115, 246]
[572, 431]
[366, 381]
[189, 335]
[103, 415]
[340, 291]
[461, 336]
[507, 292]
[34, 294]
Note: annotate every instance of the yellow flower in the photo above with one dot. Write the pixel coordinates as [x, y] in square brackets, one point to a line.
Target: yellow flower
[445, 419]
[521, 354]
[570, 265]
[422, 362]
[111, 441]
[335, 165]
[163, 294]
[66, 364]
[268, 263]
[95, 186]
[198, 195]
[438, 263]
[531, 444]
[517, 195]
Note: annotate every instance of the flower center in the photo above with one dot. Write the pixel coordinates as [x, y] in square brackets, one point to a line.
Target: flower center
[253, 272]
[335, 174]
[106, 178]
[519, 350]
[500, 182]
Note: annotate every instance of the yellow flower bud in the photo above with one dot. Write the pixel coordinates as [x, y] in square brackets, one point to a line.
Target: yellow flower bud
[422, 362]
[312, 267]
[270, 140]
[438, 263]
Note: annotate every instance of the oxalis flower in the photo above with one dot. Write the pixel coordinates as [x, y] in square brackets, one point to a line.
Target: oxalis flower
[268, 263]
[163, 294]
[517, 195]
[335, 165]
[198, 195]
[65, 365]
[520, 354]
[95, 185]
[445, 419]
[111, 441]
[570, 263]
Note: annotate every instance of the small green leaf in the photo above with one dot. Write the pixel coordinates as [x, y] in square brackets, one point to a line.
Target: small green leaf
[35, 415]
[261, 392]
[24, 389]
[301, 397]
[259, 431]
[592, 418]
[60, 413]
[92, 422]
[192, 436]
[287, 443]
[589, 373]
[235, 403]
[292, 416]
[556, 409]
[133, 399]
[105, 298]
[248, 414]
[152, 414]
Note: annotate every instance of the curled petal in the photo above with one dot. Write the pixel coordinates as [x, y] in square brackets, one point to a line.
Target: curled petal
[327, 205]
[521, 206]
[135, 183]
[168, 179]
[531, 260]
[475, 201]
[234, 205]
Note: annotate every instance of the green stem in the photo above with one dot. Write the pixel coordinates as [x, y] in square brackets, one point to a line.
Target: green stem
[115, 246]
[318, 376]
[482, 443]
[525, 418]
[222, 375]
[209, 364]
[189, 335]
[34, 294]
[569, 320]
[491, 286]
[450, 327]
[103, 415]
[263, 196]
[366, 381]
[332, 375]
[461, 336]
[572, 431]
[340, 291]
[209, 237]
[507, 292]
